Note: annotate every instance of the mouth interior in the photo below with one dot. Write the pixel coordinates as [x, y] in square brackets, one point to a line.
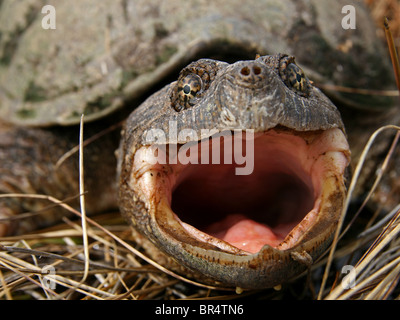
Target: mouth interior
[248, 211]
[287, 180]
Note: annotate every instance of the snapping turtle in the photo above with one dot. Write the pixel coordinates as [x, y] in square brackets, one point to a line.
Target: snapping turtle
[103, 58]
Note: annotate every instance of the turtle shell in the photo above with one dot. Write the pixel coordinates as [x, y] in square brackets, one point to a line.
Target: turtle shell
[102, 54]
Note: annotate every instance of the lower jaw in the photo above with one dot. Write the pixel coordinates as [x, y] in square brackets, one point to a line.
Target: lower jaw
[296, 182]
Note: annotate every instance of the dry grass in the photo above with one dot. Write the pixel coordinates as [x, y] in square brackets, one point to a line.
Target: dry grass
[117, 268]
[386, 8]
[100, 260]
[115, 271]
[375, 274]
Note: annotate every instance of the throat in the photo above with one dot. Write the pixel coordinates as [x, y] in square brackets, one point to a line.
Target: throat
[245, 211]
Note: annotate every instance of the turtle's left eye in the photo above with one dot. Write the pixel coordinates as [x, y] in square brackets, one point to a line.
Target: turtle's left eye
[188, 87]
[296, 78]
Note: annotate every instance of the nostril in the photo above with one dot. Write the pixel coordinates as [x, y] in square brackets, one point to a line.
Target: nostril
[256, 70]
[245, 71]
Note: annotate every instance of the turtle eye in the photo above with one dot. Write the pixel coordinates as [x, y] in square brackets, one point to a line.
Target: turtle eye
[296, 78]
[293, 76]
[188, 87]
[193, 83]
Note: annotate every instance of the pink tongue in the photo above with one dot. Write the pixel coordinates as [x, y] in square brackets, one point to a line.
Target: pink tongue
[244, 233]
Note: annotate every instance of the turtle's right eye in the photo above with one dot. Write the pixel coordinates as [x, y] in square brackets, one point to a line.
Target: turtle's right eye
[188, 87]
[193, 83]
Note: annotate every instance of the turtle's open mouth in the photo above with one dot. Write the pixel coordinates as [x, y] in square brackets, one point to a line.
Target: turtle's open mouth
[285, 186]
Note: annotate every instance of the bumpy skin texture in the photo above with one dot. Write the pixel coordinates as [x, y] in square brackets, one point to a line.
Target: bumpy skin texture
[244, 95]
[104, 53]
